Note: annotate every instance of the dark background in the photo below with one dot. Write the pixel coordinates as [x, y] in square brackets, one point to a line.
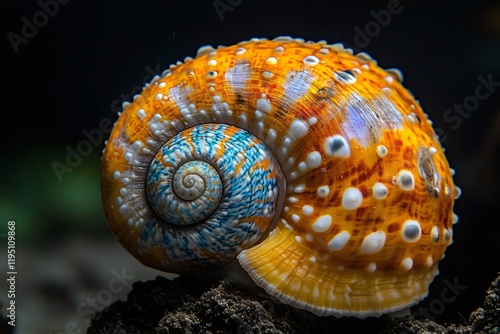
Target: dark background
[79, 65]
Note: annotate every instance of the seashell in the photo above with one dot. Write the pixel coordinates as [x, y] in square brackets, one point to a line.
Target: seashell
[313, 167]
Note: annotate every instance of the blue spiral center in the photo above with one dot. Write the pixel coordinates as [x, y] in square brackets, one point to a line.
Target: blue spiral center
[220, 184]
[182, 195]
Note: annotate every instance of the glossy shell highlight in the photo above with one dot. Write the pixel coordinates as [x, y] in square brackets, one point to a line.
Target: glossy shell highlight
[359, 192]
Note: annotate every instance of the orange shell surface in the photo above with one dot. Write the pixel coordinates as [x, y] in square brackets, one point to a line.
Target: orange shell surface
[367, 213]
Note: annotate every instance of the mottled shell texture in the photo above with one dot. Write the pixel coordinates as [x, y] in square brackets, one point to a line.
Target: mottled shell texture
[312, 166]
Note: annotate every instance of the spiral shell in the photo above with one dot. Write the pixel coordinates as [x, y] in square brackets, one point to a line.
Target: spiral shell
[312, 166]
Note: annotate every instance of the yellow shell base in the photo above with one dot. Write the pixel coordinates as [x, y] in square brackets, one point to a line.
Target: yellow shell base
[291, 272]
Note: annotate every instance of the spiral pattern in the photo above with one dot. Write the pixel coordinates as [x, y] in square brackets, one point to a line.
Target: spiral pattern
[217, 179]
[189, 180]
[182, 195]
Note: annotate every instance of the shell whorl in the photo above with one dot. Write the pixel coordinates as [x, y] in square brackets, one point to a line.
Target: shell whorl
[312, 166]
[221, 183]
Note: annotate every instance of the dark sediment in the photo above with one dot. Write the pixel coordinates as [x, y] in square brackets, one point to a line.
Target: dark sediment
[187, 305]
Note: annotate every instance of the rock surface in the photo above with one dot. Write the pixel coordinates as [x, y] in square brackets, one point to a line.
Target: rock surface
[187, 305]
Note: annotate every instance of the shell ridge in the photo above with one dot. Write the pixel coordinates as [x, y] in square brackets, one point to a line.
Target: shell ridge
[344, 295]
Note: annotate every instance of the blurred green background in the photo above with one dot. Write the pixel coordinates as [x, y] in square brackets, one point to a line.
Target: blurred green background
[45, 208]
[80, 64]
